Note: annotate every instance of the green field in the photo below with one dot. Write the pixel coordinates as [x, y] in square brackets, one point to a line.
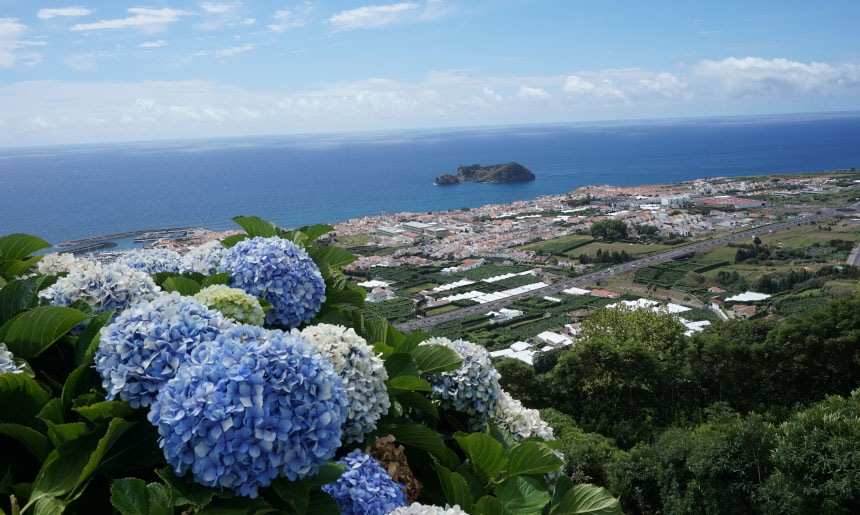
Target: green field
[634, 249]
[443, 309]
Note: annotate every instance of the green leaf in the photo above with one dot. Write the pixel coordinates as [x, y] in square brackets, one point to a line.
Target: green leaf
[531, 458]
[256, 226]
[587, 500]
[18, 296]
[129, 496]
[2, 282]
[52, 412]
[400, 365]
[19, 246]
[334, 257]
[502, 436]
[265, 304]
[183, 285]
[34, 331]
[185, 491]
[294, 493]
[321, 502]
[313, 232]
[419, 402]
[409, 342]
[13, 267]
[328, 473]
[562, 485]
[159, 502]
[523, 495]
[21, 400]
[34, 441]
[105, 410]
[416, 435]
[433, 359]
[116, 428]
[79, 382]
[49, 505]
[88, 341]
[488, 505]
[223, 278]
[352, 296]
[229, 241]
[62, 433]
[61, 470]
[409, 383]
[455, 487]
[485, 453]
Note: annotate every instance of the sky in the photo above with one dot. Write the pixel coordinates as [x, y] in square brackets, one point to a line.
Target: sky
[100, 71]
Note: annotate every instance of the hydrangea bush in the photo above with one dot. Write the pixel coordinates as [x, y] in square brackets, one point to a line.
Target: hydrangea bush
[233, 303]
[472, 389]
[163, 405]
[152, 261]
[145, 345]
[101, 287]
[279, 271]
[250, 406]
[365, 488]
[54, 263]
[362, 371]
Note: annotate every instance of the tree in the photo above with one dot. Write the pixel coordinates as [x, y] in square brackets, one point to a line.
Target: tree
[517, 376]
[609, 230]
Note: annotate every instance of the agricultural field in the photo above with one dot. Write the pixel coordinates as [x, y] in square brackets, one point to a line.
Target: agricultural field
[487, 271]
[559, 246]
[636, 250]
[392, 309]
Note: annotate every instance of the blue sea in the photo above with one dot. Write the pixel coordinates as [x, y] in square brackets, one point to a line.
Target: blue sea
[69, 192]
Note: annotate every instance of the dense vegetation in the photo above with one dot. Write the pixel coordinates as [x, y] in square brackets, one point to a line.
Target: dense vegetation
[745, 417]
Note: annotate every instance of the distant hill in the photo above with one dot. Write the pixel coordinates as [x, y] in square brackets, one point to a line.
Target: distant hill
[510, 172]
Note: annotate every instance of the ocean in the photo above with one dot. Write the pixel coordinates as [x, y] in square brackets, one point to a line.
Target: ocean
[70, 192]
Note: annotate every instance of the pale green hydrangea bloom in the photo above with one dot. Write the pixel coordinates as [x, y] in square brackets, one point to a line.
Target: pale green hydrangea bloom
[232, 303]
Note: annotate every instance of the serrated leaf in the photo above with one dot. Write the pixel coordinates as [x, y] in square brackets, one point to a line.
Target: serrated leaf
[488, 505]
[18, 296]
[313, 232]
[455, 487]
[433, 359]
[409, 383]
[352, 296]
[19, 245]
[59, 434]
[587, 500]
[159, 502]
[334, 257]
[21, 400]
[523, 495]
[502, 437]
[105, 410]
[116, 428]
[409, 342]
[79, 382]
[15, 267]
[185, 491]
[222, 278]
[183, 285]
[30, 333]
[129, 496]
[531, 458]
[256, 226]
[562, 485]
[485, 453]
[400, 365]
[64, 466]
[34, 441]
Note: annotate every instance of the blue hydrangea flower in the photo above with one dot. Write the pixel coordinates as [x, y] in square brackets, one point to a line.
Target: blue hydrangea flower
[280, 272]
[473, 388]
[365, 488]
[152, 261]
[203, 259]
[251, 406]
[144, 346]
[8, 363]
[362, 371]
[233, 303]
[102, 287]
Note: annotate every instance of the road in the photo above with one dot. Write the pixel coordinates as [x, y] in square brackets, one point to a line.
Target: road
[854, 257]
[426, 323]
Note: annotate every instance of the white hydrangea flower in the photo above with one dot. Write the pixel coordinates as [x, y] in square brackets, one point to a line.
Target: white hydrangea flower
[203, 259]
[232, 303]
[421, 509]
[519, 421]
[102, 287]
[362, 371]
[8, 363]
[54, 263]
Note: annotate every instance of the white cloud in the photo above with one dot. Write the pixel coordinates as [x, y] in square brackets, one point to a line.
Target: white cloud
[11, 32]
[218, 7]
[87, 61]
[248, 21]
[286, 20]
[144, 19]
[372, 16]
[228, 52]
[47, 14]
[748, 77]
[533, 93]
[153, 44]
